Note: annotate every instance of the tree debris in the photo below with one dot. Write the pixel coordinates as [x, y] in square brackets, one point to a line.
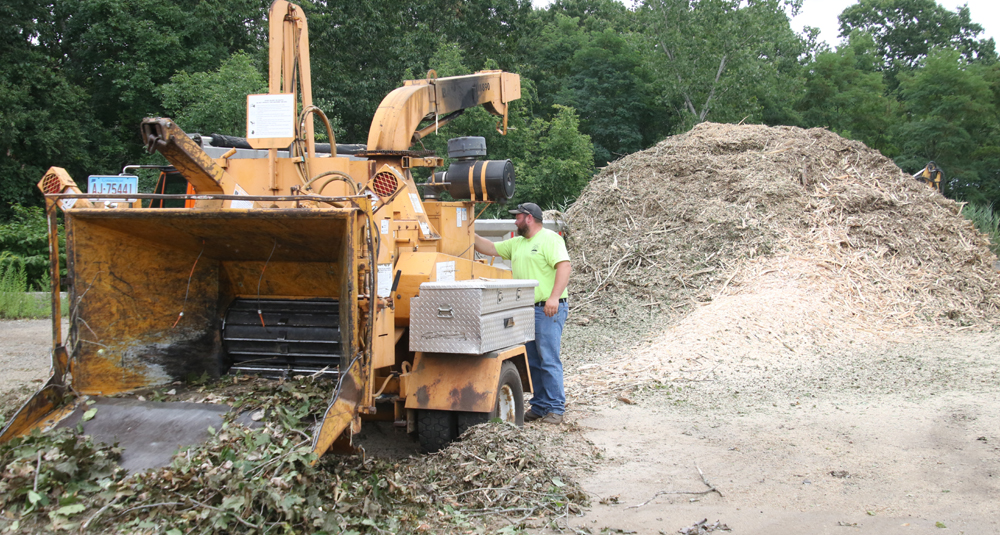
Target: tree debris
[702, 527]
[263, 479]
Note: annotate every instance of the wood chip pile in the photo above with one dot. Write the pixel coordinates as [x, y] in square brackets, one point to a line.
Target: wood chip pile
[709, 212]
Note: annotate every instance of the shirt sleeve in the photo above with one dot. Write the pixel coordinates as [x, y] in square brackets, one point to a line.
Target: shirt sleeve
[504, 248]
[556, 252]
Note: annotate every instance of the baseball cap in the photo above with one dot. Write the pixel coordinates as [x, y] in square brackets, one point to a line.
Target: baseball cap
[529, 208]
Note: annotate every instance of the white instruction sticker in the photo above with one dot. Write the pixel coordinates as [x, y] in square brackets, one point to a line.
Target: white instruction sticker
[240, 204]
[415, 201]
[425, 228]
[445, 271]
[385, 226]
[271, 116]
[460, 215]
[67, 203]
[384, 280]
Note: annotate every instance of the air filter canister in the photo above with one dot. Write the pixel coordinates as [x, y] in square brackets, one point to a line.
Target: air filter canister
[484, 180]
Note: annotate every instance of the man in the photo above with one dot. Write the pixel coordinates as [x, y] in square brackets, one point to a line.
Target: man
[540, 254]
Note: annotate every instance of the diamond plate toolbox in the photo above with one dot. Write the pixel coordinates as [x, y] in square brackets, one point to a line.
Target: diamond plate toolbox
[472, 317]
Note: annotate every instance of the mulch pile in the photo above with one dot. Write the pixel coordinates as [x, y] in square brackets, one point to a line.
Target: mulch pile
[709, 212]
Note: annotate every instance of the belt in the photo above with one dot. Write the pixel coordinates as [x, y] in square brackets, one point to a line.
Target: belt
[542, 303]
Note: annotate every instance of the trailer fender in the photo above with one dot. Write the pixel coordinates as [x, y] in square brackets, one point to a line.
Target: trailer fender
[467, 383]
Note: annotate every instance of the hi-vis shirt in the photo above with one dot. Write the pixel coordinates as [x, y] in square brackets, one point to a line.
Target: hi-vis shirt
[536, 259]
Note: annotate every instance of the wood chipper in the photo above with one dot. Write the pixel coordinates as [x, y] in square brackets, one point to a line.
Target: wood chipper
[287, 256]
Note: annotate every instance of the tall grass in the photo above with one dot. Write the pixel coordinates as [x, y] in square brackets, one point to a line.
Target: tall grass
[987, 221]
[15, 302]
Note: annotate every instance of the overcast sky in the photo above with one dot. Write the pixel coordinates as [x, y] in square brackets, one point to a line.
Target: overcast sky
[823, 14]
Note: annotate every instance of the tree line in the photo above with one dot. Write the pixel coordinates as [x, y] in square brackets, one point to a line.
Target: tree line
[599, 80]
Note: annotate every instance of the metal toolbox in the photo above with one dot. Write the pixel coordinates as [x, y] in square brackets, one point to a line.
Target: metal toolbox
[472, 317]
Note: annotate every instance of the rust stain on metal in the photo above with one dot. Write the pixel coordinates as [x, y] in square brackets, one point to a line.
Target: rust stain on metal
[422, 396]
[468, 397]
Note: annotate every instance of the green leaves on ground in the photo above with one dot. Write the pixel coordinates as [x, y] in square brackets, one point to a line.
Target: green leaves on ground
[267, 479]
[48, 480]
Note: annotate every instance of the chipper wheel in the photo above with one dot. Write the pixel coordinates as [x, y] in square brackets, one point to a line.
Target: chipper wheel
[436, 429]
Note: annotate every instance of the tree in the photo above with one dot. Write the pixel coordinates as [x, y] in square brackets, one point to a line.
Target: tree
[735, 60]
[906, 30]
[604, 76]
[558, 164]
[845, 93]
[45, 118]
[612, 91]
[214, 102]
[594, 15]
[24, 244]
[121, 51]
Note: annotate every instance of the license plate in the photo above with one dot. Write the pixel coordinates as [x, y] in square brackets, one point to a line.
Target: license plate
[115, 185]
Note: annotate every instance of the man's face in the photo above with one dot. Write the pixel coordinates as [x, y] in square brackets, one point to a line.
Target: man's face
[522, 224]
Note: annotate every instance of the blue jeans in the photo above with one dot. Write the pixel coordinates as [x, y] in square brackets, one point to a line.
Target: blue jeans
[543, 359]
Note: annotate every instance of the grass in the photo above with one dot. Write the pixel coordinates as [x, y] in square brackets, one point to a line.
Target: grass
[987, 221]
[15, 302]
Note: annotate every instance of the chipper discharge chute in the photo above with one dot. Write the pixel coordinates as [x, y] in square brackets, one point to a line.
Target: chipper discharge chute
[286, 256]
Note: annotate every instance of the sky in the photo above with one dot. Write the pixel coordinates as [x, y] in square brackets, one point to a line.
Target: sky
[823, 14]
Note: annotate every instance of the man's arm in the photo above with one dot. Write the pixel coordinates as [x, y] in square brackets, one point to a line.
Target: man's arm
[562, 280]
[486, 247]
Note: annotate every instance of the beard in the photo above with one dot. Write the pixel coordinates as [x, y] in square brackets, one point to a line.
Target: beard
[522, 231]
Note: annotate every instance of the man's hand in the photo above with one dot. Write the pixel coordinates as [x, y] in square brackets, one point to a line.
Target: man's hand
[552, 306]
[562, 279]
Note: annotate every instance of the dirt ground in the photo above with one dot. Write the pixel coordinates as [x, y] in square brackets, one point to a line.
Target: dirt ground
[899, 436]
[889, 434]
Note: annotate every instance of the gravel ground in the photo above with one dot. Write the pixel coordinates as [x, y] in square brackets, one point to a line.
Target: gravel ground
[24, 352]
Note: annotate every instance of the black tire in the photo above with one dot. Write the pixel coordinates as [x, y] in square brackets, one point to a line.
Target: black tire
[435, 429]
[510, 401]
[469, 419]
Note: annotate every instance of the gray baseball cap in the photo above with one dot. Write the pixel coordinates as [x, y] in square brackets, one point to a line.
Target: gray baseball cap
[529, 208]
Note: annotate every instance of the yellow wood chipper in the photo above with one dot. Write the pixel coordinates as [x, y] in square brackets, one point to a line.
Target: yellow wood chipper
[286, 256]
